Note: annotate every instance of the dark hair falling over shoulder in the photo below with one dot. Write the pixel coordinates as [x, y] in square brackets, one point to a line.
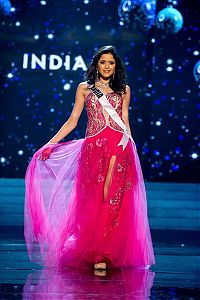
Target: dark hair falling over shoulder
[118, 83]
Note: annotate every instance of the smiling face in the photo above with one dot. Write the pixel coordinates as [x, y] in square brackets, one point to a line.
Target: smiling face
[106, 65]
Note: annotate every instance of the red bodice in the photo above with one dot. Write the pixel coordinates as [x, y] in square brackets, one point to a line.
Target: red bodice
[98, 118]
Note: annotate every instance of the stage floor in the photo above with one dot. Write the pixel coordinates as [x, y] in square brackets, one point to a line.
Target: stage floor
[176, 274]
[174, 214]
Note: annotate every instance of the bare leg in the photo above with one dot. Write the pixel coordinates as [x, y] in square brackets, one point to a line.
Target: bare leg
[108, 177]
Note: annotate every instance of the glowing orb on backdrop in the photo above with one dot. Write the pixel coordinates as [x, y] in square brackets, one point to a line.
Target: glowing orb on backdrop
[140, 14]
[196, 71]
[5, 6]
[169, 20]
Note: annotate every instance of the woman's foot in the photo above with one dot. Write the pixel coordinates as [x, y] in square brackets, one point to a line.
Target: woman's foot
[100, 266]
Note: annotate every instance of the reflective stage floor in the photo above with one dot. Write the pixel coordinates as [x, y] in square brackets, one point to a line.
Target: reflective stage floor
[174, 215]
[176, 274]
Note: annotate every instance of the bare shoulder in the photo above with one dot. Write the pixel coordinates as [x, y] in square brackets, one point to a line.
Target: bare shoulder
[128, 89]
[83, 88]
[127, 93]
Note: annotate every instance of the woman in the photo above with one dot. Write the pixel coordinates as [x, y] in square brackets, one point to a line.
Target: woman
[85, 199]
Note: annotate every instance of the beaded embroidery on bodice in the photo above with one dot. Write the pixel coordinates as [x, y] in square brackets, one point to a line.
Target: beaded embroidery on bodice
[98, 119]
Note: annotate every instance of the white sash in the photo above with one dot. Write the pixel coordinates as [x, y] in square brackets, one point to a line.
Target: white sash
[113, 114]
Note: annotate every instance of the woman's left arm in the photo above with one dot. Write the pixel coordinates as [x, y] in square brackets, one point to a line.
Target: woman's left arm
[125, 106]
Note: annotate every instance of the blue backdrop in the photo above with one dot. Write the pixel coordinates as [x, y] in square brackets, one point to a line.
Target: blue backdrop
[46, 47]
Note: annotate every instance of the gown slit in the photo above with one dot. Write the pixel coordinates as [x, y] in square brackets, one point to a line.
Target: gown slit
[108, 180]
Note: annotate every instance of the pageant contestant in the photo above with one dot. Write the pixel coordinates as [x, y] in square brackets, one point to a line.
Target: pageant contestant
[85, 199]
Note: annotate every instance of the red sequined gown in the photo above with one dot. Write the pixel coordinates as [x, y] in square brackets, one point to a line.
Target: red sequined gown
[68, 221]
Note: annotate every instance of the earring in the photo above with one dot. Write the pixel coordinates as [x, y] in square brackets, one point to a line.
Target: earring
[97, 74]
[113, 76]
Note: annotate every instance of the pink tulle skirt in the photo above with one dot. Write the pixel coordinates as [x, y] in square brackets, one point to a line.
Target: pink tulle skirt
[68, 220]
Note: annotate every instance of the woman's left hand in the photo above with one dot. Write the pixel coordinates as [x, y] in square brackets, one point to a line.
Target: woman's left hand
[46, 153]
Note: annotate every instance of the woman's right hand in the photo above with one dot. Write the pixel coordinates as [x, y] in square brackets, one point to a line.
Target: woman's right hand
[46, 153]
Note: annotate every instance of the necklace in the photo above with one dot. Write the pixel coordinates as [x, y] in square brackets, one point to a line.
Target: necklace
[102, 84]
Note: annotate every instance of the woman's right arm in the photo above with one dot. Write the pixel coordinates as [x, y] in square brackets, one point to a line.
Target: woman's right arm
[74, 117]
[71, 122]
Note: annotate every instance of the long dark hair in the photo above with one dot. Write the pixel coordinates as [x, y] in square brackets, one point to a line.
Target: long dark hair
[118, 83]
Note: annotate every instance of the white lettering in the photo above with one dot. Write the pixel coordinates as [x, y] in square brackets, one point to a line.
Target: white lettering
[79, 63]
[41, 62]
[25, 61]
[55, 62]
[67, 63]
